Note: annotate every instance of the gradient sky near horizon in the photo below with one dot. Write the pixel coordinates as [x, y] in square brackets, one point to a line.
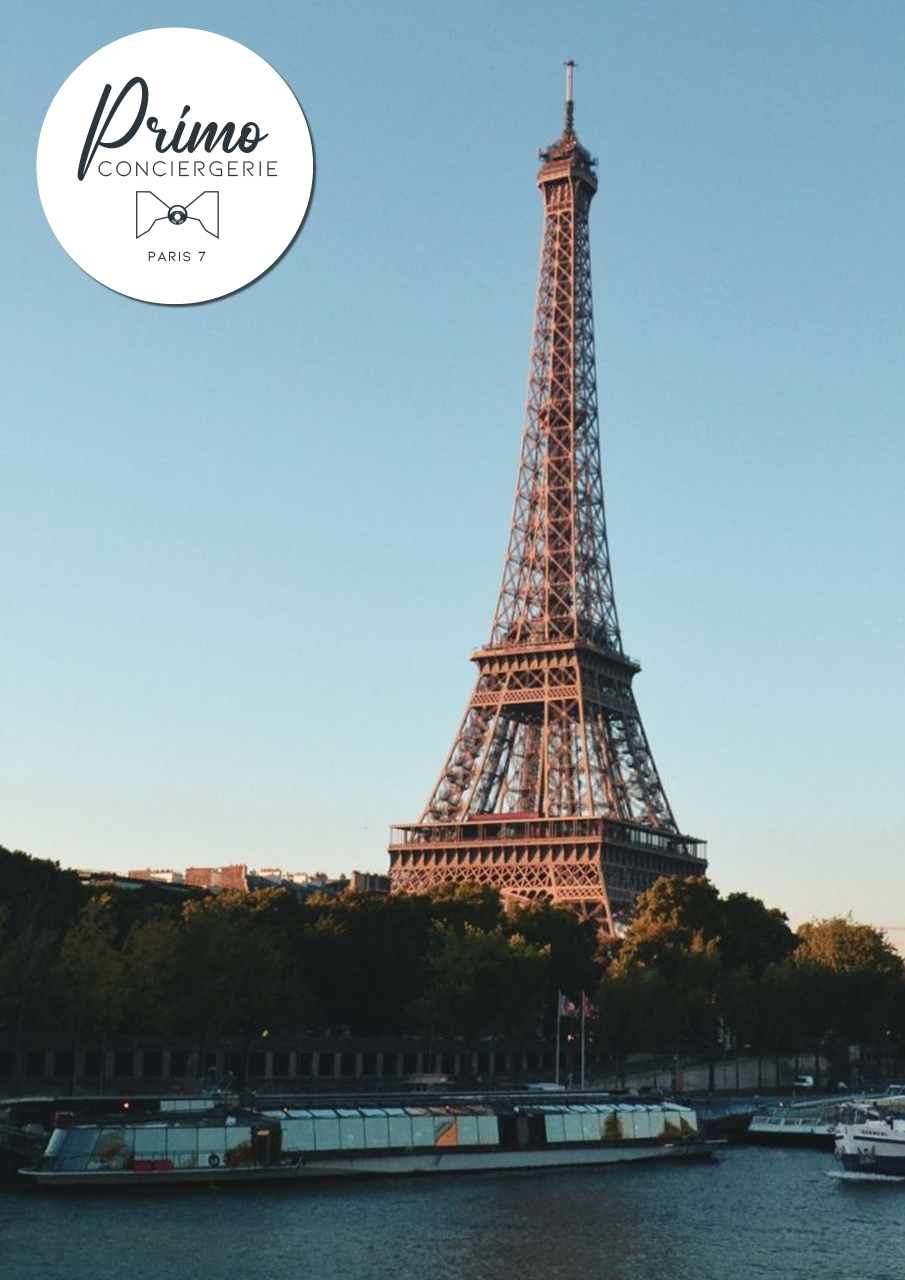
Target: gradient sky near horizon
[247, 547]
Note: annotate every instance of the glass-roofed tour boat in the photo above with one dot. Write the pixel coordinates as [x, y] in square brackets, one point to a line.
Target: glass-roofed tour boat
[217, 1140]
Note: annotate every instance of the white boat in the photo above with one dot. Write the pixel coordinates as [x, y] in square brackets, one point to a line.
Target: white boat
[447, 1135]
[871, 1139]
[805, 1124]
[814, 1122]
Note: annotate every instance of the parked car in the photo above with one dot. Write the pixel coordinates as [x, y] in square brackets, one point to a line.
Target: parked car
[803, 1082]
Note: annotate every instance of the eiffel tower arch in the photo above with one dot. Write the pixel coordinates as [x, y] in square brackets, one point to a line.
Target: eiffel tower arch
[550, 789]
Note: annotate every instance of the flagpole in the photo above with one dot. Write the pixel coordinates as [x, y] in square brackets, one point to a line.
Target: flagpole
[584, 1001]
[558, 1016]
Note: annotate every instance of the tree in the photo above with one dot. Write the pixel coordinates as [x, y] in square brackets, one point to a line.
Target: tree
[154, 974]
[851, 981]
[240, 970]
[753, 936]
[483, 983]
[671, 916]
[466, 904]
[637, 1012]
[712, 951]
[38, 901]
[89, 977]
[572, 944]
[368, 959]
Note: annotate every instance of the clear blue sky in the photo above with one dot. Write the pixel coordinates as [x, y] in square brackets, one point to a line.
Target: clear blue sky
[247, 547]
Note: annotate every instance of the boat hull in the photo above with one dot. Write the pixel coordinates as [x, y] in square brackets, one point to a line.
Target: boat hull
[877, 1148]
[404, 1164]
[817, 1137]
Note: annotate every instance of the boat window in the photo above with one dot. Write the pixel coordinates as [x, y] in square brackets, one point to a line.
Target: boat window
[488, 1131]
[423, 1131]
[57, 1140]
[400, 1131]
[641, 1124]
[326, 1134]
[376, 1132]
[182, 1138]
[215, 1139]
[609, 1125]
[110, 1150]
[468, 1131]
[150, 1143]
[590, 1127]
[572, 1125]
[627, 1124]
[554, 1128]
[77, 1146]
[657, 1123]
[352, 1132]
[298, 1135]
[446, 1131]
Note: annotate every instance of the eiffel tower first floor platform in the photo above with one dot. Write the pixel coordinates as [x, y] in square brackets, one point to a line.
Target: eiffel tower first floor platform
[598, 866]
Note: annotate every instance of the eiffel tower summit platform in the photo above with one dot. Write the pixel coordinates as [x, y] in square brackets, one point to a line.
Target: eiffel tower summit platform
[550, 789]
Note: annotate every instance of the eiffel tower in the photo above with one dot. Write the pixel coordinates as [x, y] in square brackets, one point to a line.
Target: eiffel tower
[550, 789]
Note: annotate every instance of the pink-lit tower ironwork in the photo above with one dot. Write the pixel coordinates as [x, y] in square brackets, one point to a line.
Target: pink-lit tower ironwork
[550, 789]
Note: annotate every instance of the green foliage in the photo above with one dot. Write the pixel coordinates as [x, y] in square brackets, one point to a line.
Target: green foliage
[753, 936]
[676, 915]
[368, 958]
[842, 946]
[695, 970]
[483, 982]
[89, 974]
[672, 916]
[851, 980]
[692, 970]
[571, 942]
[38, 902]
[37, 894]
[153, 974]
[239, 966]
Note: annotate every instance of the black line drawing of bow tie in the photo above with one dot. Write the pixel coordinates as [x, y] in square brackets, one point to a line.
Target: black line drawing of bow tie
[204, 209]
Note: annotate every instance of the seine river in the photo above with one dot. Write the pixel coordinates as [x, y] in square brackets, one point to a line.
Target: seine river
[754, 1212]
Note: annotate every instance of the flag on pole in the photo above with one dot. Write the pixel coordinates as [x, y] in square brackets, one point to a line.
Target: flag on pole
[590, 1010]
[566, 1008]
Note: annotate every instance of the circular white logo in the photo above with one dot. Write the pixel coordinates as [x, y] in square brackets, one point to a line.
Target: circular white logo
[175, 166]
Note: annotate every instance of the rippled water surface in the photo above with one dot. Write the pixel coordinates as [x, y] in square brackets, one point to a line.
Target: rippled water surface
[751, 1213]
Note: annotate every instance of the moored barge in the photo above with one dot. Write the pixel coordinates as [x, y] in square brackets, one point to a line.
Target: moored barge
[227, 1144]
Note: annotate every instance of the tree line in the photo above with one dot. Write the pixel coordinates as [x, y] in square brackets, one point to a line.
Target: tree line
[694, 973]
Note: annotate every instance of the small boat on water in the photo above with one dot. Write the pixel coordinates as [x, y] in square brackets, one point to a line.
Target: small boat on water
[812, 1123]
[226, 1143]
[870, 1141]
[799, 1124]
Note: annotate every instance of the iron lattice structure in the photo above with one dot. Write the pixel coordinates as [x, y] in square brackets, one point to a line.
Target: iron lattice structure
[550, 789]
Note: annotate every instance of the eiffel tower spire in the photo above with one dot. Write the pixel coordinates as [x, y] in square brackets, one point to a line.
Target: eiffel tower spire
[550, 788]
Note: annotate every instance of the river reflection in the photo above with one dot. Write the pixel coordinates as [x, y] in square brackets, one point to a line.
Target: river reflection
[752, 1213]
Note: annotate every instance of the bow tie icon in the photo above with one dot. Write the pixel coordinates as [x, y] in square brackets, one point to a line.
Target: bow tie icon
[204, 209]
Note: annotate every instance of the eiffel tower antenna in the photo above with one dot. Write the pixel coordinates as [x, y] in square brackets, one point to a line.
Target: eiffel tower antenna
[570, 101]
[550, 789]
